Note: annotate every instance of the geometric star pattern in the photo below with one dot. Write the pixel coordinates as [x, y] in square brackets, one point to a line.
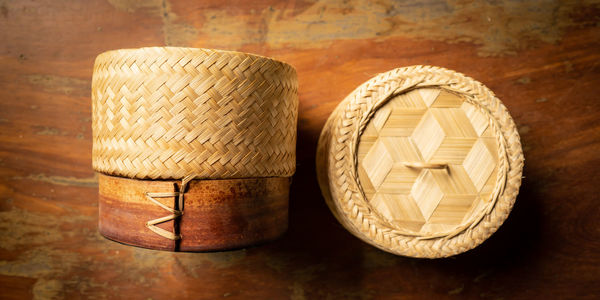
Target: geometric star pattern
[405, 138]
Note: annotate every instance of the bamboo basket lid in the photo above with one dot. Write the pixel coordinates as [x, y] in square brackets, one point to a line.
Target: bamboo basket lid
[420, 161]
[168, 112]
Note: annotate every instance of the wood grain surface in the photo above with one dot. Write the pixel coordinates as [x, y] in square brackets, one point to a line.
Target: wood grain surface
[218, 214]
[540, 57]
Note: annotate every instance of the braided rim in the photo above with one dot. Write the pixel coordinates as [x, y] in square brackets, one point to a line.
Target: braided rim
[344, 194]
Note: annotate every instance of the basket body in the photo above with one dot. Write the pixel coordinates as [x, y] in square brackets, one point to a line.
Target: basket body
[216, 128]
[420, 161]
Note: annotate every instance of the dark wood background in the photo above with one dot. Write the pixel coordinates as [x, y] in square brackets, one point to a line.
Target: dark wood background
[540, 57]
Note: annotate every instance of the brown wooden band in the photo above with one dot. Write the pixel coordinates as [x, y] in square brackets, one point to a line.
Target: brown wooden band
[217, 215]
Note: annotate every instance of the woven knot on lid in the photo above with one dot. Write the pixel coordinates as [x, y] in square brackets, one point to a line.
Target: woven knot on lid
[423, 155]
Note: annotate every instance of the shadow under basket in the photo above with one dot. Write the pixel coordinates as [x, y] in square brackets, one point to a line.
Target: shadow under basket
[218, 214]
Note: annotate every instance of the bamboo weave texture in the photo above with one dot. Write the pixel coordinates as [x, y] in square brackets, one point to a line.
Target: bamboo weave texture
[474, 165]
[168, 112]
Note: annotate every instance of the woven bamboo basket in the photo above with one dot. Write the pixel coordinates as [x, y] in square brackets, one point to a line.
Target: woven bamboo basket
[420, 161]
[195, 147]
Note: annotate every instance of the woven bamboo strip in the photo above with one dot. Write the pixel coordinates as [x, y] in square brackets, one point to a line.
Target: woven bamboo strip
[420, 161]
[166, 112]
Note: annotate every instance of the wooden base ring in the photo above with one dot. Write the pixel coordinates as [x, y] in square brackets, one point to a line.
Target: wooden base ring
[218, 214]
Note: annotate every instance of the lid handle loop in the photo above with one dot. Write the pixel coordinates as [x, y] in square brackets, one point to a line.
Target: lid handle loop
[420, 165]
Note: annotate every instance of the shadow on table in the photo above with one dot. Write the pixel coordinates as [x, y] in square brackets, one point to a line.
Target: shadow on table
[319, 255]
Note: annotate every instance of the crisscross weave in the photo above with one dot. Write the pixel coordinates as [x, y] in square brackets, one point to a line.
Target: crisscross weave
[337, 163]
[166, 112]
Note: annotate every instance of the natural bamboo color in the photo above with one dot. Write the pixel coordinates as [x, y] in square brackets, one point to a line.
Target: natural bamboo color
[167, 112]
[191, 116]
[420, 161]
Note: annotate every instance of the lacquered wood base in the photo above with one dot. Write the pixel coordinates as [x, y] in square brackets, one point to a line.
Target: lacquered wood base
[218, 214]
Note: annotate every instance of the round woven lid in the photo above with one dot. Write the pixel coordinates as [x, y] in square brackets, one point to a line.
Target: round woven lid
[420, 161]
[168, 112]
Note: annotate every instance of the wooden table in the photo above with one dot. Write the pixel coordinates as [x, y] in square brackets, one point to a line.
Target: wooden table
[540, 57]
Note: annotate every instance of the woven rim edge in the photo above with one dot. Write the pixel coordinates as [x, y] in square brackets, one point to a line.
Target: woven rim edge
[358, 219]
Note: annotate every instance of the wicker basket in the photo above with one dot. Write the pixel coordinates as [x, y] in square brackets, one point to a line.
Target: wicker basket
[207, 132]
[420, 161]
